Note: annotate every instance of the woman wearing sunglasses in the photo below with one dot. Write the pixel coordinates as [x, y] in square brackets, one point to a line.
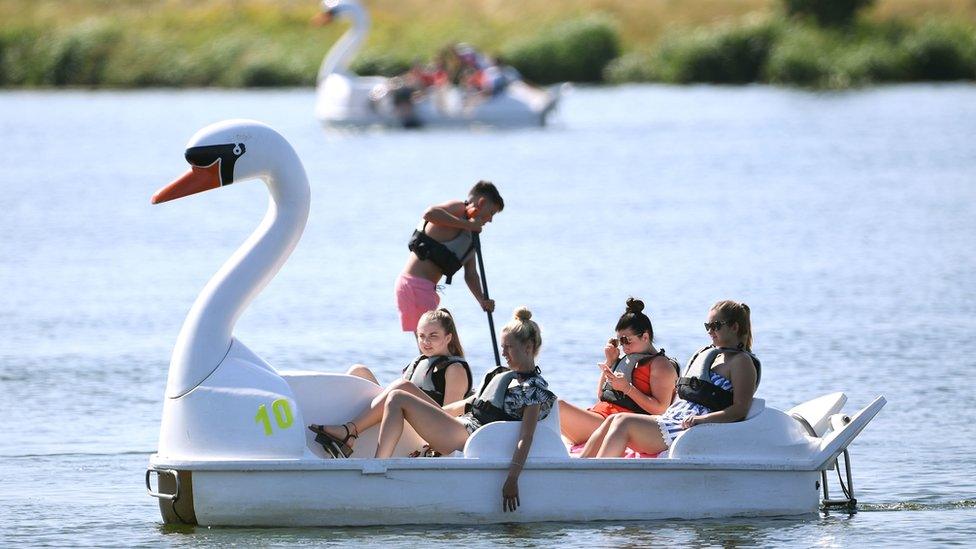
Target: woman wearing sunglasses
[440, 375]
[717, 387]
[641, 381]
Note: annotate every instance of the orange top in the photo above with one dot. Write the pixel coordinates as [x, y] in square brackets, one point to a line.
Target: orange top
[641, 380]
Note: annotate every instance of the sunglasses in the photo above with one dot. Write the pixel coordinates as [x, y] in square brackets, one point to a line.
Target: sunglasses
[627, 340]
[710, 326]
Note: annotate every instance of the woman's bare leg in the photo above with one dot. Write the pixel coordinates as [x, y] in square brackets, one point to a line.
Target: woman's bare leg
[592, 446]
[362, 371]
[444, 433]
[639, 432]
[576, 423]
[372, 415]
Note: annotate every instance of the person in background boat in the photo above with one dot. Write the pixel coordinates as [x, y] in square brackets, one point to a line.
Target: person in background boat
[409, 88]
[717, 387]
[403, 89]
[641, 381]
[441, 245]
[472, 64]
[496, 77]
[514, 393]
[423, 76]
[440, 375]
[483, 77]
[447, 67]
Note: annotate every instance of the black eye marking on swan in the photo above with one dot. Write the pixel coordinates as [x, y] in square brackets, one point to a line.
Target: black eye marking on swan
[226, 154]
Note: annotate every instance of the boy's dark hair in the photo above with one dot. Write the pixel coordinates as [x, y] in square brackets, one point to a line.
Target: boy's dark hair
[488, 190]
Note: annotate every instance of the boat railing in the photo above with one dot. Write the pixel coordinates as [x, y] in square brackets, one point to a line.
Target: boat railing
[847, 488]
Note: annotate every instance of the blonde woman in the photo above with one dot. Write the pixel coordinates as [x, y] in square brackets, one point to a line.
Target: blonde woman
[440, 376]
[513, 393]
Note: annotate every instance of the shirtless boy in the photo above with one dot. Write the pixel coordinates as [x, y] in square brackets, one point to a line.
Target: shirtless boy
[442, 244]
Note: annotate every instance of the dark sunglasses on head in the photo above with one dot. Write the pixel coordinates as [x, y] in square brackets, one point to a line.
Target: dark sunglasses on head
[709, 326]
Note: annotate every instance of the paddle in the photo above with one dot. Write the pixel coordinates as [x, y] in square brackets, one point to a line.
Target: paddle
[484, 290]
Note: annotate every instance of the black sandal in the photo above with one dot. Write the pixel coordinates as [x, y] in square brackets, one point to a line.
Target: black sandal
[327, 444]
[333, 445]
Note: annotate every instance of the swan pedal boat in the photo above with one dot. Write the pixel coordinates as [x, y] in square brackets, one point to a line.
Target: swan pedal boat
[344, 99]
[234, 450]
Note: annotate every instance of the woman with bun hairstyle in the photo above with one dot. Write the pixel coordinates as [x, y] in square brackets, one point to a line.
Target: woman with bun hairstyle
[514, 393]
[440, 375]
[717, 386]
[641, 381]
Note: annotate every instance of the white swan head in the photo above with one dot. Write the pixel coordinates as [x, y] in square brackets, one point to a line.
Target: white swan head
[334, 9]
[226, 152]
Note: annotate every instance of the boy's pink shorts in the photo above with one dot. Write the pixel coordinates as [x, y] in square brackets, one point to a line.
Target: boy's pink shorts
[414, 297]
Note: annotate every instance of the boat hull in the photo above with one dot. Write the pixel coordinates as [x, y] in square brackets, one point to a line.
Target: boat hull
[762, 466]
[345, 101]
[448, 491]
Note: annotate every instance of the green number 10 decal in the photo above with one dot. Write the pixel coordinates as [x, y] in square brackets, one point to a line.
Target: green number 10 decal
[282, 414]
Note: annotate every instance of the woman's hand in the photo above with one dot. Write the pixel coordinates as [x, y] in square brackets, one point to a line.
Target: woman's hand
[617, 381]
[510, 495]
[691, 421]
[611, 351]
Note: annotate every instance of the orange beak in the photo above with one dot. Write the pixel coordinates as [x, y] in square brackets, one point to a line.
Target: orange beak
[194, 181]
[322, 18]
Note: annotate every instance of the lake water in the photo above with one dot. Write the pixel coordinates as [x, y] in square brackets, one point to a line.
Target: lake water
[845, 220]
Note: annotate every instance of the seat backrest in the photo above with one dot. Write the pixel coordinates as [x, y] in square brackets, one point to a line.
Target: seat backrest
[758, 405]
[498, 439]
[332, 399]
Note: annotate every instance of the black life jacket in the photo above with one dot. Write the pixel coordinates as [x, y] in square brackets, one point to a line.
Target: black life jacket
[696, 385]
[448, 256]
[627, 364]
[489, 404]
[424, 372]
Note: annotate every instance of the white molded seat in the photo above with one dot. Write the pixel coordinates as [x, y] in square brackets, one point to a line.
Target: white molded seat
[758, 405]
[498, 439]
[817, 412]
[332, 399]
[765, 432]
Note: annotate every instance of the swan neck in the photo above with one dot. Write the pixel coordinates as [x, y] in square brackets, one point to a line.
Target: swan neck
[207, 332]
[342, 53]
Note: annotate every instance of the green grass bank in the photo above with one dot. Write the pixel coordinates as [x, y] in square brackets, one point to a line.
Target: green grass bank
[252, 43]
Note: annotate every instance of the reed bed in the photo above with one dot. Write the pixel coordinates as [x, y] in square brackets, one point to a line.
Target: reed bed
[235, 43]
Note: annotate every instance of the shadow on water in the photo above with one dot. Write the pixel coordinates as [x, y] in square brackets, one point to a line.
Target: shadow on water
[726, 532]
[706, 532]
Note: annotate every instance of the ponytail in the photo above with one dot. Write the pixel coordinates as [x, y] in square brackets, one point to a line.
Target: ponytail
[738, 312]
[444, 318]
